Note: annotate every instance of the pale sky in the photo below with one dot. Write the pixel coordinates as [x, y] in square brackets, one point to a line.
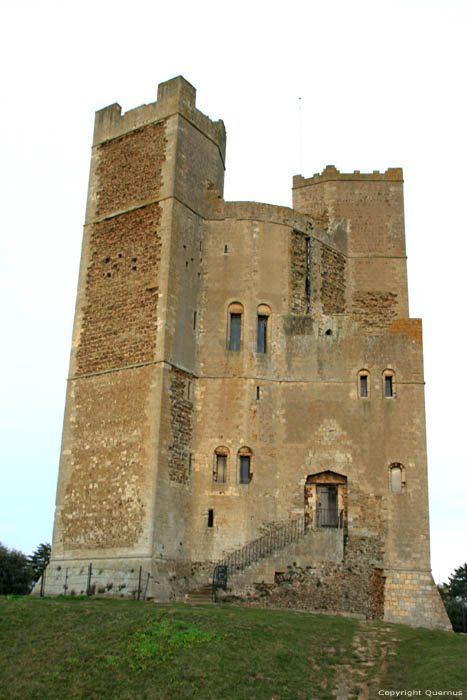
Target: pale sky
[382, 84]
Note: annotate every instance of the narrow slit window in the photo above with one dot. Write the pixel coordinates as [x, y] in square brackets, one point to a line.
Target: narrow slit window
[388, 386]
[210, 518]
[364, 386]
[194, 320]
[235, 331]
[245, 474]
[220, 473]
[262, 334]
[258, 393]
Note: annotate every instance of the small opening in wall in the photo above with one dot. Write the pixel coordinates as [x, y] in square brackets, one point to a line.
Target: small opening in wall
[245, 469]
[364, 386]
[258, 393]
[210, 518]
[329, 331]
[388, 388]
[109, 274]
[226, 250]
[186, 263]
[134, 267]
[235, 331]
[190, 462]
[120, 255]
[194, 319]
[133, 259]
[107, 260]
[188, 390]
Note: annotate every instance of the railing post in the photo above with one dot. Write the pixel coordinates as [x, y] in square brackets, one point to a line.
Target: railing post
[88, 587]
[146, 587]
[139, 582]
[265, 545]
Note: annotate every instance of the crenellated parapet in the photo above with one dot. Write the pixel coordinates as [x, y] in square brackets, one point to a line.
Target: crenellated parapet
[175, 96]
[332, 174]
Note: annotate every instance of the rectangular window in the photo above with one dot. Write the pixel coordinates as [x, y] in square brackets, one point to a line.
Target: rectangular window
[220, 474]
[210, 518]
[235, 331]
[388, 386]
[244, 470]
[396, 480]
[261, 338]
[364, 385]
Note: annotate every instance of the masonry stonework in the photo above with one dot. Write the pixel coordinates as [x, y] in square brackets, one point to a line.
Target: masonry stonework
[246, 386]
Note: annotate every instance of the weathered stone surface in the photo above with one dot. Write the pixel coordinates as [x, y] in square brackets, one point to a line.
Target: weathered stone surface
[156, 396]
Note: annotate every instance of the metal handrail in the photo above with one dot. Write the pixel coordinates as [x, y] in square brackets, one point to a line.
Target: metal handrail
[265, 545]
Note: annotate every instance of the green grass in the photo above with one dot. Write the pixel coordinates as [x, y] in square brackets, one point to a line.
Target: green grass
[100, 648]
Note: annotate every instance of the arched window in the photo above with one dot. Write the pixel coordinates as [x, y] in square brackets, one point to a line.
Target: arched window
[263, 328]
[389, 384]
[234, 328]
[245, 465]
[219, 474]
[363, 388]
[396, 478]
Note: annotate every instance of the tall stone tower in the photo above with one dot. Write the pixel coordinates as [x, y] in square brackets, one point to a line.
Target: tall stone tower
[245, 383]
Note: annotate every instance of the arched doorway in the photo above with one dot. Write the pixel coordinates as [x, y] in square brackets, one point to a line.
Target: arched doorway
[325, 500]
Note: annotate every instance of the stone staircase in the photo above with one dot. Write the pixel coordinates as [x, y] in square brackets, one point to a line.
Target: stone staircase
[201, 596]
[292, 545]
[264, 546]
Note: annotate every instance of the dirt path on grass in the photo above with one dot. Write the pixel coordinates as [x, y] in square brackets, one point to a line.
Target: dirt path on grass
[360, 678]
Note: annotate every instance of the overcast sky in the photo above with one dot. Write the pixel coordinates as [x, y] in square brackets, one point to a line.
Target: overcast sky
[382, 84]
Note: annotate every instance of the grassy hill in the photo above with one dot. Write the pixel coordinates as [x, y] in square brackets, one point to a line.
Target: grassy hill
[78, 648]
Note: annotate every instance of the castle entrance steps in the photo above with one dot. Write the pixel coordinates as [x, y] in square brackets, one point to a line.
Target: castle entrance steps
[312, 547]
[202, 596]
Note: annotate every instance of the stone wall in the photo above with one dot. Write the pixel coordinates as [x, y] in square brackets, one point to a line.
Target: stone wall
[130, 169]
[104, 499]
[181, 423]
[121, 293]
[374, 310]
[333, 281]
[411, 597]
[298, 274]
[355, 585]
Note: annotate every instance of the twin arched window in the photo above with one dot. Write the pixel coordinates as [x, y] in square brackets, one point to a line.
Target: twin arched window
[220, 473]
[235, 324]
[389, 384]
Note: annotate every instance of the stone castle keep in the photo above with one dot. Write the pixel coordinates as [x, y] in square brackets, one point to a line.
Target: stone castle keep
[245, 386]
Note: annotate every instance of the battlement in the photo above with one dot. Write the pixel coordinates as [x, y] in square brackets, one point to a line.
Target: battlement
[331, 173]
[175, 96]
